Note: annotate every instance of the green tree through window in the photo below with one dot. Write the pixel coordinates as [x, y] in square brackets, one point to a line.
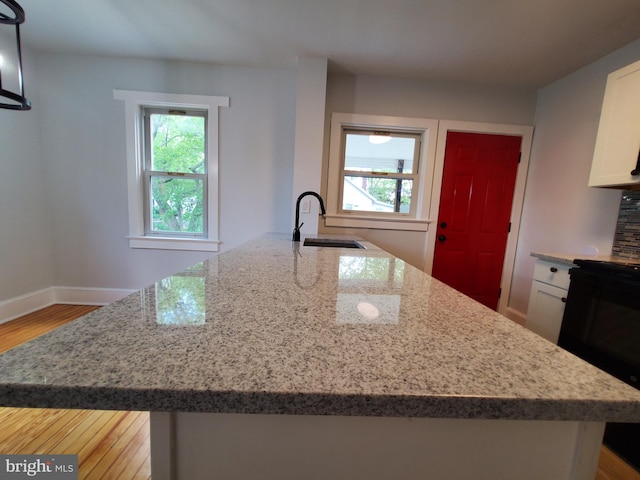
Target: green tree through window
[176, 163]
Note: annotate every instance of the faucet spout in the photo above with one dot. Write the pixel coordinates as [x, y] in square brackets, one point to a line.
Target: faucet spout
[296, 230]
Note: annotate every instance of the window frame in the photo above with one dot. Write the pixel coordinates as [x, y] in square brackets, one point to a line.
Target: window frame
[135, 103]
[414, 220]
[149, 173]
[413, 176]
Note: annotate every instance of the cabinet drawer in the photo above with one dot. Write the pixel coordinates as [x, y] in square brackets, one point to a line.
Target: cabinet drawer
[556, 274]
[546, 308]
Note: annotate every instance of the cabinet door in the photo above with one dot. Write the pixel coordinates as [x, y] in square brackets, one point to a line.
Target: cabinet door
[618, 141]
[546, 307]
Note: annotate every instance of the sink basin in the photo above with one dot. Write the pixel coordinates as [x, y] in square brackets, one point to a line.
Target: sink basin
[331, 242]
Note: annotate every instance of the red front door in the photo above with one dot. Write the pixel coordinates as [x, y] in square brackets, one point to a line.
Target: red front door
[475, 207]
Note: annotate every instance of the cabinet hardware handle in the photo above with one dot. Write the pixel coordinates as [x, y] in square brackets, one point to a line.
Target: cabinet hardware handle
[553, 269]
[636, 171]
[563, 299]
[442, 238]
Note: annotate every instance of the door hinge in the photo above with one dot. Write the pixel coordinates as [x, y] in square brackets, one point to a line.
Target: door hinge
[509, 229]
[519, 157]
[499, 292]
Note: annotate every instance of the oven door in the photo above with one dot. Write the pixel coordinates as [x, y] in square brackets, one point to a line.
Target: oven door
[601, 323]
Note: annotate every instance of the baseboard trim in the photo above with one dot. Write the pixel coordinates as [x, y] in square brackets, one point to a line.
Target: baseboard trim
[30, 302]
[90, 296]
[24, 304]
[518, 317]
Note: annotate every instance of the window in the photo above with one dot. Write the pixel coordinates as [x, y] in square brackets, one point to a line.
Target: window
[175, 172]
[379, 171]
[172, 154]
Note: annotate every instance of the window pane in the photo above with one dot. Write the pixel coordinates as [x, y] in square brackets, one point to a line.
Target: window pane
[376, 194]
[177, 143]
[395, 155]
[176, 204]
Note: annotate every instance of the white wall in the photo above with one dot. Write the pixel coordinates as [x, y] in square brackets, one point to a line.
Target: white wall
[311, 94]
[83, 157]
[561, 214]
[63, 184]
[422, 99]
[25, 220]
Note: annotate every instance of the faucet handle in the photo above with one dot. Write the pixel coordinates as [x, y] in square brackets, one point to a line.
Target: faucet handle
[296, 232]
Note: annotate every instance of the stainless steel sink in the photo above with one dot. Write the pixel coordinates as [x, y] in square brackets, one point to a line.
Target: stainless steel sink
[332, 242]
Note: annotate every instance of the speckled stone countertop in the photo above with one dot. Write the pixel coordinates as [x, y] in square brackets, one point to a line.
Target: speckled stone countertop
[275, 327]
[568, 259]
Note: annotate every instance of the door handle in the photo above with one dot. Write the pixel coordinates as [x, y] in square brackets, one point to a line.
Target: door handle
[442, 238]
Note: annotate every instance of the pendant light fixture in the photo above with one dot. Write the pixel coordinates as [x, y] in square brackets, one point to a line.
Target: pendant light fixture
[11, 60]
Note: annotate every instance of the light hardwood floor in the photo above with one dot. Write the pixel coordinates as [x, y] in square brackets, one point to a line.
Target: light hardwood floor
[109, 444]
[611, 467]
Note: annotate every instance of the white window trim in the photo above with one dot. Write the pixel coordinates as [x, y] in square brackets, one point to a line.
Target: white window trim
[134, 100]
[427, 127]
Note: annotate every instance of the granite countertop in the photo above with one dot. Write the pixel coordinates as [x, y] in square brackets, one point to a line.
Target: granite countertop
[279, 328]
[568, 258]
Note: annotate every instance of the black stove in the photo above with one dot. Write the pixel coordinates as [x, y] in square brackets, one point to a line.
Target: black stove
[621, 269]
[601, 324]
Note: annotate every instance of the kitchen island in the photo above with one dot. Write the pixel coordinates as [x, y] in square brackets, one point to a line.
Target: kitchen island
[278, 360]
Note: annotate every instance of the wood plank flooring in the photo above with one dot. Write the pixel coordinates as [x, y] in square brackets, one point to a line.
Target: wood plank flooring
[611, 467]
[33, 325]
[111, 444]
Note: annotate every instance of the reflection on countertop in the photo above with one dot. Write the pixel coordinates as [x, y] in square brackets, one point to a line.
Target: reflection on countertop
[179, 299]
[267, 328]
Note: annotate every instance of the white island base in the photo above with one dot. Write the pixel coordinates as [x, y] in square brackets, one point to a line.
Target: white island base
[198, 446]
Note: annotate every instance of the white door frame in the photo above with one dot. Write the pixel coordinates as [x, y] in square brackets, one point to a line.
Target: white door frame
[524, 131]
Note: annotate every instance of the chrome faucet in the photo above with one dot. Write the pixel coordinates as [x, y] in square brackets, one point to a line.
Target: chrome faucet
[296, 230]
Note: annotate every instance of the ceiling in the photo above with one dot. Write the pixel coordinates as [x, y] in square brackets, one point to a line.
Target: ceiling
[507, 43]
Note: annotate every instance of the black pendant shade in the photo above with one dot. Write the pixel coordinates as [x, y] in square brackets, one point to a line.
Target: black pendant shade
[11, 14]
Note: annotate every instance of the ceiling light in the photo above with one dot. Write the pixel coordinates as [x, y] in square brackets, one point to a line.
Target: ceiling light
[12, 14]
[379, 137]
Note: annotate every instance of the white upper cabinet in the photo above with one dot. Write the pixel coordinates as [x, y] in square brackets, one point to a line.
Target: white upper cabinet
[616, 155]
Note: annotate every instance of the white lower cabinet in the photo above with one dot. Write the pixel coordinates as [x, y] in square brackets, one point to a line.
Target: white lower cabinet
[547, 299]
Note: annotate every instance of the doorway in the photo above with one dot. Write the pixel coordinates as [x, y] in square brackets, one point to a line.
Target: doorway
[475, 208]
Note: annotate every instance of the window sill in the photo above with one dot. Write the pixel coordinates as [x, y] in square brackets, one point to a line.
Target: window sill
[171, 243]
[362, 221]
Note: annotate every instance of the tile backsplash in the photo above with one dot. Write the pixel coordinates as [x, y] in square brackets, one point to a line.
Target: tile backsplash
[626, 242]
